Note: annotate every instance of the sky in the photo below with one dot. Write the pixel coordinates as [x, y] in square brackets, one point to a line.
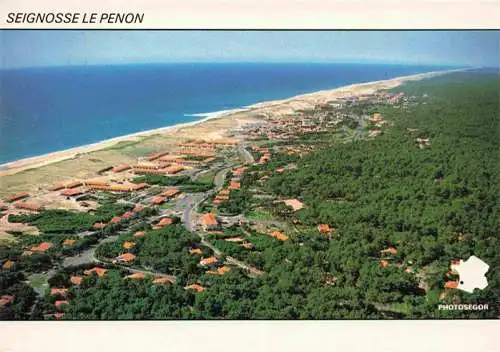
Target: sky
[36, 48]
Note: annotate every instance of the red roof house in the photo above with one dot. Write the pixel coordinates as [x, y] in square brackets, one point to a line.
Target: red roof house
[451, 284]
[195, 287]
[208, 221]
[42, 247]
[58, 291]
[128, 244]
[99, 271]
[60, 303]
[208, 261]
[76, 280]
[136, 276]
[126, 257]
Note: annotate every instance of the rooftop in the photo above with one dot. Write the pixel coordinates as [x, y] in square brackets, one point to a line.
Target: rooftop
[294, 203]
[279, 235]
[128, 244]
[139, 234]
[58, 291]
[126, 257]
[208, 219]
[68, 242]
[97, 270]
[136, 276]
[71, 192]
[208, 261]
[60, 303]
[76, 280]
[9, 264]
[98, 226]
[324, 228]
[196, 287]
[42, 247]
[162, 280]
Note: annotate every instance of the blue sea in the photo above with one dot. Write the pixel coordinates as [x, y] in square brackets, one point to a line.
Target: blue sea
[44, 110]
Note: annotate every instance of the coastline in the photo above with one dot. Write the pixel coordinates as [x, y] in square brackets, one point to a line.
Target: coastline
[49, 158]
[273, 107]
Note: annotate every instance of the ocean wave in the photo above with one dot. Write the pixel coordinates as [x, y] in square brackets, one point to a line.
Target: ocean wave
[215, 114]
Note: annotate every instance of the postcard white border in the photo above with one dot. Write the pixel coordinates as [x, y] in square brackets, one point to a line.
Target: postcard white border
[275, 14]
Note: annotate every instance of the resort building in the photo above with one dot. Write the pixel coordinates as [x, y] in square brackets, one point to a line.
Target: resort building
[157, 200]
[219, 271]
[127, 215]
[17, 196]
[59, 291]
[162, 223]
[95, 182]
[235, 185]
[324, 228]
[118, 187]
[57, 187]
[115, 220]
[208, 261]
[72, 192]
[198, 288]
[60, 303]
[163, 280]
[128, 244]
[139, 234]
[170, 193]
[42, 247]
[377, 117]
[138, 208]
[6, 300]
[247, 245]
[99, 226]
[136, 276]
[9, 264]
[126, 257]
[121, 168]
[27, 206]
[155, 156]
[451, 284]
[99, 271]
[234, 239]
[76, 280]
[73, 184]
[279, 235]
[374, 133]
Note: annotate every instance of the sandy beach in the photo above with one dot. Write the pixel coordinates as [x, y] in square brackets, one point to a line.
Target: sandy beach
[207, 129]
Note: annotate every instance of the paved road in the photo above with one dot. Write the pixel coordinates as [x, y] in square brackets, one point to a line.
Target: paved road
[246, 155]
[253, 271]
[190, 205]
[359, 130]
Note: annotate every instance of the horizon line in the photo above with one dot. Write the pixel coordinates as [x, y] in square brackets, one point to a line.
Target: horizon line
[316, 62]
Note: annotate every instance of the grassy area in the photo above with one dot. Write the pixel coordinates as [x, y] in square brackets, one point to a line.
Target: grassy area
[206, 177]
[259, 215]
[6, 237]
[38, 282]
